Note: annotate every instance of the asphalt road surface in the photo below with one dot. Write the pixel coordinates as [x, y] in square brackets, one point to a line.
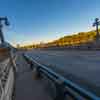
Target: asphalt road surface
[27, 88]
[82, 67]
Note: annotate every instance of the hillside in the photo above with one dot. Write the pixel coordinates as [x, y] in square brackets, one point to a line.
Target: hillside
[70, 40]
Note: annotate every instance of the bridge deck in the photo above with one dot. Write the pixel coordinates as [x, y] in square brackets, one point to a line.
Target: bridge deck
[26, 87]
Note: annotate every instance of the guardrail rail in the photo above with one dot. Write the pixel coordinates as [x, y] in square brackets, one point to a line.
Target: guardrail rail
[64, 87]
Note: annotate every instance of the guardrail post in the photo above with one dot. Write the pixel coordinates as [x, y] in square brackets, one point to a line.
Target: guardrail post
[36, 73]
[60, 93]
[31, 65]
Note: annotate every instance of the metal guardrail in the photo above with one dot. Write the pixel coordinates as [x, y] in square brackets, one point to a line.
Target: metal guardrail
[64, 87]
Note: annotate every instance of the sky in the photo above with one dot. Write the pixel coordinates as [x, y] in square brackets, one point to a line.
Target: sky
[34, 21]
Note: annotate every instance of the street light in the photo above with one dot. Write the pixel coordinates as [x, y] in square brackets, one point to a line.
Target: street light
[5, 20]
[97, 23]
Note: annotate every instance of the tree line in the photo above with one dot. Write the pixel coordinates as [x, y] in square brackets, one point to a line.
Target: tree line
[70, 40]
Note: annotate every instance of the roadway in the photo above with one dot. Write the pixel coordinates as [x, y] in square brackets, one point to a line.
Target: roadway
[82, 67]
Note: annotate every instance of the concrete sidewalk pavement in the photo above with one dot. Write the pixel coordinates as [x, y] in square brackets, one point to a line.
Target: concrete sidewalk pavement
[26, 87]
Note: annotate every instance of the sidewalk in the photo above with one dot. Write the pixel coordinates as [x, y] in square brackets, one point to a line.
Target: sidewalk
[26, 87]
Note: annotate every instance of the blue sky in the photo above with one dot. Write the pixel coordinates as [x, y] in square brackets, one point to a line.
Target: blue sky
[46, 20]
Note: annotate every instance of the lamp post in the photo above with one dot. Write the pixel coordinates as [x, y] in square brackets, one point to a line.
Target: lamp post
[96, 24]
[5, 20]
